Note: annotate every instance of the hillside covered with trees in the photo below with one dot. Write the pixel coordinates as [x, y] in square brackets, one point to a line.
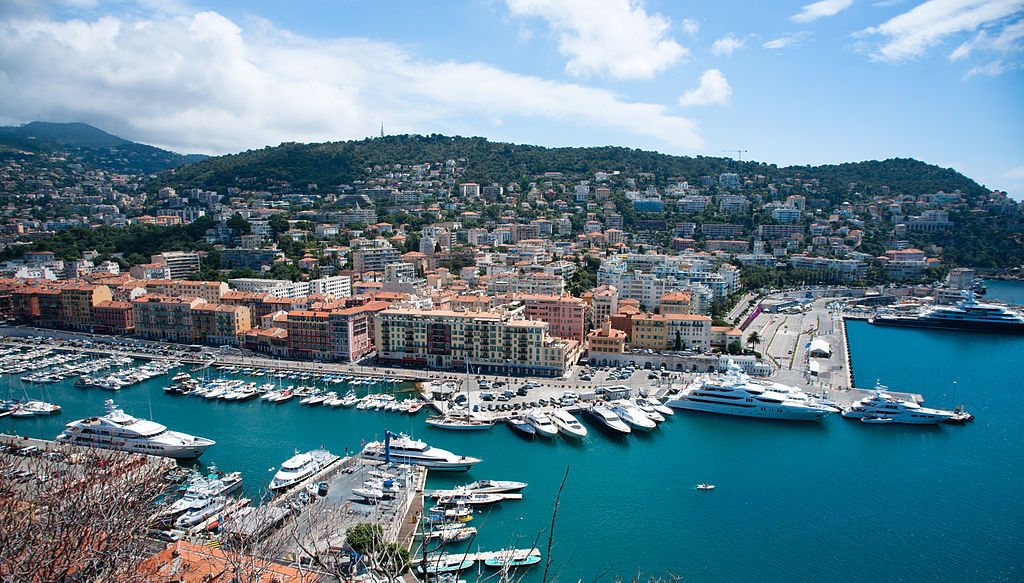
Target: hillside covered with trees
[334, 163]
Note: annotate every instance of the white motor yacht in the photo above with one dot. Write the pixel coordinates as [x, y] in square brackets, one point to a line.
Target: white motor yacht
[633, 416]
[495, 486]
[542, 423]
[198, 515]
[610, 420]
[118, 430]
[299, 467]
[882, 407]
[568, 424]
[405, 450]
[735, 393]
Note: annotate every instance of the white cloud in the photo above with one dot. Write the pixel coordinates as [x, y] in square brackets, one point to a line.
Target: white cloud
[713, 90]
[202, 83]
[821, 9]
[617, 38]
[911, 34]
[1008, 42]
[1017, 172]
[727, 45]
[690, 26]
[786, 41]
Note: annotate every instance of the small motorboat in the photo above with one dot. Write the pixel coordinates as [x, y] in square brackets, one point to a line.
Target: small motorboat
[705, 486]
[513, 558]
[521, 426]
[876, 419]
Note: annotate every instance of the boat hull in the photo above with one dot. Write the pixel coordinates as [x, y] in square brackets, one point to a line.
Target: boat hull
[755, 412]
[961, 325]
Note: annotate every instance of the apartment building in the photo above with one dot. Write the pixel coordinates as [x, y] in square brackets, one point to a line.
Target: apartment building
[604, 342]
[209, 291]
[219, 324]
[566, 316]
[165, 318]
[309, 335]
[180, 264]
[374, 258]
[671, 332]
[485, 342]
[77, 301]
[113, 317]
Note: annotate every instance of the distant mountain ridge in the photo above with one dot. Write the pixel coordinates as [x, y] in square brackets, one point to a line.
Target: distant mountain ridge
[92, 146]
[334, 163]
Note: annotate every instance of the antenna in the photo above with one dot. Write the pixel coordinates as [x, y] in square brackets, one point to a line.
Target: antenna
[382, 129]
[739, 154]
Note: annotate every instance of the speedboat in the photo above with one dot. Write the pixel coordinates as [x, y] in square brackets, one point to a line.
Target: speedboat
[405, 450]
[448, 563]
[633, 416]
[521, 426]
[452, 533]
[495, 486]
[511, 558]
[657, 405]
[609, 419]
[649, 411]
[705, 486]
[197, 515]
[568, 424]
[542, 423]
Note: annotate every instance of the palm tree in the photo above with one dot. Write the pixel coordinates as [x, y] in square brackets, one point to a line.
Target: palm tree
[753, 339]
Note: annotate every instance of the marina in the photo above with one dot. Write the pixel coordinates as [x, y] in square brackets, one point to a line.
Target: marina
[254, 437]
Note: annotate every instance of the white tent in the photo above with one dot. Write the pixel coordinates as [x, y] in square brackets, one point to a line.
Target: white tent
[820, 348]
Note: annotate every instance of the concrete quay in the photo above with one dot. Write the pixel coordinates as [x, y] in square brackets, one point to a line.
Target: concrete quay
[318, 524]
[785, 340]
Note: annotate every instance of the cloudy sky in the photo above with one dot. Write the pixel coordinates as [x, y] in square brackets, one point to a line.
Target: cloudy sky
[788, 82]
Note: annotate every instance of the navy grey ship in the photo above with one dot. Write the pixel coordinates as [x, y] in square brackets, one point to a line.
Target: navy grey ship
[967, 314]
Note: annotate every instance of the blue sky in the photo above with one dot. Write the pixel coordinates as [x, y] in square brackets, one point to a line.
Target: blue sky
[790, 82]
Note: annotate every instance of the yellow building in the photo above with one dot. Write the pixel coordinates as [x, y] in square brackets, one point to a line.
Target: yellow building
[485, 342]
[676, 303]
[671, 332]
[606, 341]
[77, 301]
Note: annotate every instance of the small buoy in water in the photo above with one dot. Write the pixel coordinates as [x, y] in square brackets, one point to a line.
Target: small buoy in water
[270, 469]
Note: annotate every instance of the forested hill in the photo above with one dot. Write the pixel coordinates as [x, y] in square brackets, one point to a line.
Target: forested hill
[334, 163]
[91, 146]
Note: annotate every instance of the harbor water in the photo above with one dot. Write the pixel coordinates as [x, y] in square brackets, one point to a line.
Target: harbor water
[795, 501]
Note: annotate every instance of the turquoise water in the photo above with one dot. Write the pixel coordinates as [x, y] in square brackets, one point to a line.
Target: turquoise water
[831, 501]
[1011, 292]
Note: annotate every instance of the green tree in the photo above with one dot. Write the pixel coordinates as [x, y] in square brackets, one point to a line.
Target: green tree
[734, 347]
[239, 225]
[278, 224]
[753, 339]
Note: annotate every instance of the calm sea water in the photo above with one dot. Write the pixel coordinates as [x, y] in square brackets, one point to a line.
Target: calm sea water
[832, 501]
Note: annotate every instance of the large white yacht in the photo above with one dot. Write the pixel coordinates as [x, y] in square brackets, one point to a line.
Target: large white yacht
[967, 314]
[881, 406]
[118, 430]
[610, 420]
[405, 450]
[300, 467]
[568, 424]
[633, 416]
[542, 423]
[735, 393]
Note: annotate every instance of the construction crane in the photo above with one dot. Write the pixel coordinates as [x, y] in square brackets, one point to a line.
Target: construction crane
[739, 154]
